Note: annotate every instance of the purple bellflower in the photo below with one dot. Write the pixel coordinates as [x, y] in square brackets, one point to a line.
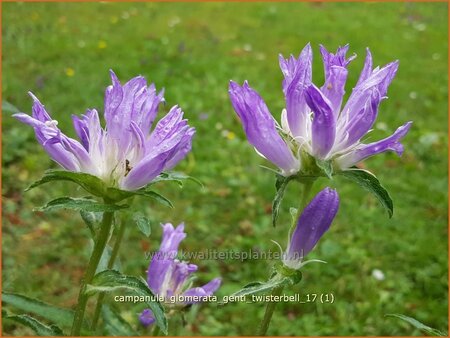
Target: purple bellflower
[168, 277]
[314, 221]
[313, 121]
[125, 154]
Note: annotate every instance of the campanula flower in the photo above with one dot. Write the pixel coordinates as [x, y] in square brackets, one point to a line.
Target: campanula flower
[314, 123]
[168, 277]
[314, 221]
[127, 153]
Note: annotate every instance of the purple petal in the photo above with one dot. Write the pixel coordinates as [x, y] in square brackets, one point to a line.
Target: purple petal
[181, 150]
[163, 260]
[391, 143]
[378, 80]
[145, 171]
[146, 317]
[367, 69]
[179, 274]
[335, 76]
[361, 122]
[314, 221]
[65, 151]
[204, 291]
[323, 129]
[167, 127]
[260, 127]
[297, 76]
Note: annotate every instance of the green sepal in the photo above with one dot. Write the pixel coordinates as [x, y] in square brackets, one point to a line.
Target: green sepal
[326, 167]
[370, 182]
[112, 280]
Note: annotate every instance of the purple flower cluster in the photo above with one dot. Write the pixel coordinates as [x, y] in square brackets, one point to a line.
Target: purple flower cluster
[126, 154]
[168, 277]
[314, 121]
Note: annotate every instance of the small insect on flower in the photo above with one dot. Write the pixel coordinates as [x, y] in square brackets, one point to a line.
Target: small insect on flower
[170, 278]
[313, 124]
[127, 153]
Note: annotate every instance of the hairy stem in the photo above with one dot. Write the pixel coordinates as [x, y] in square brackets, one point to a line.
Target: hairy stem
[112, 259]
[99, 247]
[270, 308]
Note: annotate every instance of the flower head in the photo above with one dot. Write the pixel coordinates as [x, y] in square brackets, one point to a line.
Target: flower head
[126, 153]
[169, 277]
[314, 221]
[313, 123]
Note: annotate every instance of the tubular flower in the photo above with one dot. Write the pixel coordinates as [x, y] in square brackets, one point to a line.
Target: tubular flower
[313, 122]
[127, 153]
[168, 277]
[314, 221]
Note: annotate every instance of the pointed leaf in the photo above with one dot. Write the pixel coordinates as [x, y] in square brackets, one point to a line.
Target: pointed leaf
[59, 316]
[369, 182]
[143, 224]
[419, 325]
[80, 204]
[90, 183]
[280, 186]
[176, 177]
[34, 324]
[111, 280]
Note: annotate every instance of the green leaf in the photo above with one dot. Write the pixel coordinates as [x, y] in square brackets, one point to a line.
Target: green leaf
[176, 177]
[280, 186]
[90, 183]
[156, 196]
[266, 287]
[326, 167]
[85, 204]
[8, 107]
[369, 182]
[111, 280]
[34, 324]
[60, 316]
[115, 325]
[419, 325]
[143, 224]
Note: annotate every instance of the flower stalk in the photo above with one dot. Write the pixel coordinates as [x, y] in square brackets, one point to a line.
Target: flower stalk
[112, 259]
[99, 247]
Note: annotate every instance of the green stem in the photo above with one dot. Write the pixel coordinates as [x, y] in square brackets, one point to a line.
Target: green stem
[155, 331]
[269, 312]
[99, 247]
[307, 186]
[112, 259]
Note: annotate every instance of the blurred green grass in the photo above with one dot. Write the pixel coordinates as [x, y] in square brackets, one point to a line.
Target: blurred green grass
[62, 52]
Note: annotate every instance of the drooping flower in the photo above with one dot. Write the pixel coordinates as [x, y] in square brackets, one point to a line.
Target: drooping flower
[314, 221]
[126, 153]
[169, 277]
[313, 122]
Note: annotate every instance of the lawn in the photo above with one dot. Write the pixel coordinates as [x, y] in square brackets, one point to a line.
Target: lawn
[62, 53]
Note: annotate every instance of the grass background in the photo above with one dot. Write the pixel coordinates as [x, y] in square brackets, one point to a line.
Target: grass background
[62, 52]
